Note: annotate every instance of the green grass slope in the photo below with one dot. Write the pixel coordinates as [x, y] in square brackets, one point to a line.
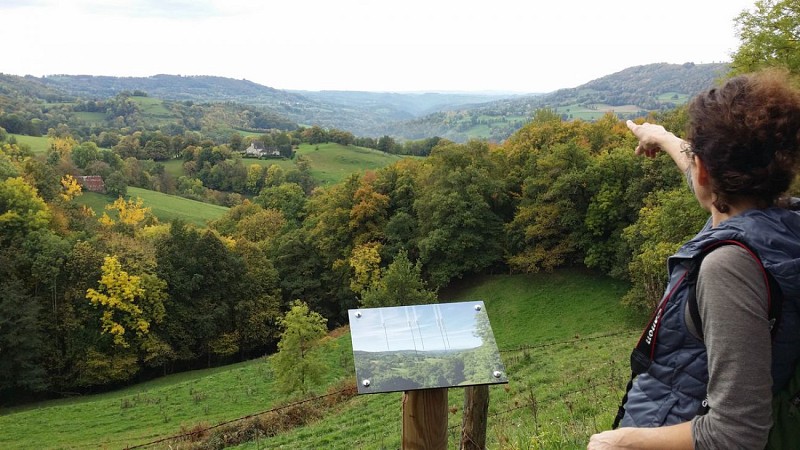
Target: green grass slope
[331, 163]
[164, 206]
[565, 342]
[563, 338]
[38, 144]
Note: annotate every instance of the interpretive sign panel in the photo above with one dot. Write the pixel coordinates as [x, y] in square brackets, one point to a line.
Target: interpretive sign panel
[423, 347]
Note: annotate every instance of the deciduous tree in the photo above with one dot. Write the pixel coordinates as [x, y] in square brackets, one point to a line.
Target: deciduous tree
[297, 364]
[770, 37]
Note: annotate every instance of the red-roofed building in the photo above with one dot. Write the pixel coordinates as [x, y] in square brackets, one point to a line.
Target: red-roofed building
[92, 183]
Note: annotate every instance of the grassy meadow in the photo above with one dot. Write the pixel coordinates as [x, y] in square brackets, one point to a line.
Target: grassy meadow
[329, 163]
[164, 206]
[563, 338]
[38, 144]
[595, 111]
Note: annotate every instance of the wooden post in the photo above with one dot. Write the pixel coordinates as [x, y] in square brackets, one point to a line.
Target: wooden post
[476, 408]
[425, 419]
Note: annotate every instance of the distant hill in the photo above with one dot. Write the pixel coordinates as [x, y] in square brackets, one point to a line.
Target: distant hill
[630, 92]
[406, 104]
[455, 116]
[362, 113]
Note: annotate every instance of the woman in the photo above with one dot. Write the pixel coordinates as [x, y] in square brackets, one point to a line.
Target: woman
[740, 158]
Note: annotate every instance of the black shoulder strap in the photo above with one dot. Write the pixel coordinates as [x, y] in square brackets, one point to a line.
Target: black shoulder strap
[642, 354]
[774, 294]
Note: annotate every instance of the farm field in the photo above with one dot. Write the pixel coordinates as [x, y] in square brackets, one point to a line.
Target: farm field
[38, 144]
[165, 207]
[329, 163]
[595, 111]
[566, 374]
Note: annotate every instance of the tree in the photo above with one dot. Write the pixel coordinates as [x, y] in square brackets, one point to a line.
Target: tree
[365, 261]
[132, 215]
[21, 210]
[287, 198]
[656, 235]
[116, 185]
[127, 306]
[770, 37]
[545, 230]
[85, 153]
[460, 230]
[401, 285]
[297, 364]
[71, 188]
[386, 144]
[20, 339]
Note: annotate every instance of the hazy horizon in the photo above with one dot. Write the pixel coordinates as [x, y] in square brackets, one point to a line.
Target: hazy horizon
[350, 45]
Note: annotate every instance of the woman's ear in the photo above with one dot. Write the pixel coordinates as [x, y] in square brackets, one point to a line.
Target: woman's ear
[703, 178]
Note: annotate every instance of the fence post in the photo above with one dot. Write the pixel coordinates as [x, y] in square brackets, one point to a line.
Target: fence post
[425, 419]
[476, 408]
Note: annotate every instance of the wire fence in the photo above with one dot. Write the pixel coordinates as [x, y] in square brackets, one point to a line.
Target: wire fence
[533, 404]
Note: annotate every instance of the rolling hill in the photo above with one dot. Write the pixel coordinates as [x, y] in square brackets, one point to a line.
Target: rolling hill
[628, 93]
[562, 337]
[224, 104]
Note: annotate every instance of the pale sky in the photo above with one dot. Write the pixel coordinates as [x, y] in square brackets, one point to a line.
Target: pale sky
[378, 45]
[446, 326]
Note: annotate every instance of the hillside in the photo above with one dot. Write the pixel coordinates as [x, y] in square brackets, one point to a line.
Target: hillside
[556, 333]
[363, 113]
[194, 102]
[164, 206]
[628, 93]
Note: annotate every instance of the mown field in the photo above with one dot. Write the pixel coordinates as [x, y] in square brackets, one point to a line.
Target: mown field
[595, 111]
[164, 206]
[38, 144]
[563, 338]
[329, 163]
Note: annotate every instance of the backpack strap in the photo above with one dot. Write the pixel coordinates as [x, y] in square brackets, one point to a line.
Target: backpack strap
[642, 354]
[774, 298]
[774, 294]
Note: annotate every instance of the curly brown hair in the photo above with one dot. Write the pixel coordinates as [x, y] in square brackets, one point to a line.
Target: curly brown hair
[747, 134]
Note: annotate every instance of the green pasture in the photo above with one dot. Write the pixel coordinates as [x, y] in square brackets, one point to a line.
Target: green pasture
[167, 207]
[674, 97]
[147, 411]
[594, 111]
[38, 144]
[153, 107]
[164, 206]
[285, 164]
[331, 163]
[563, 338]
[246, 133]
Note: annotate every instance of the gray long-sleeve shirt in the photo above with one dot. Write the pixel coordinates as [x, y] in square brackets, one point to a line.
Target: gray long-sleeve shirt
[732, 299]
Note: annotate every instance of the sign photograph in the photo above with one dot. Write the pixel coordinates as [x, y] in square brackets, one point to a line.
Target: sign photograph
[423, 347]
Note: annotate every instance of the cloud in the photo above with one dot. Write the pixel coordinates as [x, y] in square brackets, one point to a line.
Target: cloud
[13, 4]
[163, 9]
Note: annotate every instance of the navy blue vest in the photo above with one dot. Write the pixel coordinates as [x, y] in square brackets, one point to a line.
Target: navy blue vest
[674, 385]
